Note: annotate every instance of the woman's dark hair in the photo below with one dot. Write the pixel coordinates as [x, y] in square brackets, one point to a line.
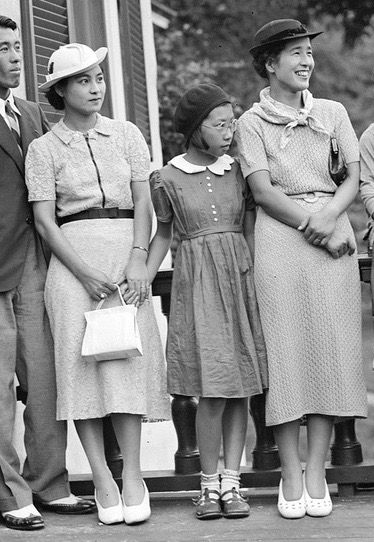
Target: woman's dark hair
[54, 98]
[261, 57]
[6, 22]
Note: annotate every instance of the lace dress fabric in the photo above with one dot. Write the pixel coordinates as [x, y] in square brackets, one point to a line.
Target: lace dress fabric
[59, 167]
[215, 344]
[310, 304]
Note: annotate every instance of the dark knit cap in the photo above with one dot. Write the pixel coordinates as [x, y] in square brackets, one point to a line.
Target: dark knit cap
[195, 105]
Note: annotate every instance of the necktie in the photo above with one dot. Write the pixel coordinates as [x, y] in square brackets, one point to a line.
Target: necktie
[13, 124]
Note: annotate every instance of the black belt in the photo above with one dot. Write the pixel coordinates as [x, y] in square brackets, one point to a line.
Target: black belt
[109, 212]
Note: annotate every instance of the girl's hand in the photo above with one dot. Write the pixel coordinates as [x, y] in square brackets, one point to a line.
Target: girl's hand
[137, 281]
[339, 244]
[97, 284]
[318, 228]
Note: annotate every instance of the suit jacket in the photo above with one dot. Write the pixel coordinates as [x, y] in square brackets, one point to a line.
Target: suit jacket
[16, 218]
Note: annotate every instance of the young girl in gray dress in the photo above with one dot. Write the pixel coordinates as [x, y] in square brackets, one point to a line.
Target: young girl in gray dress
[215, 347]
[306, 273]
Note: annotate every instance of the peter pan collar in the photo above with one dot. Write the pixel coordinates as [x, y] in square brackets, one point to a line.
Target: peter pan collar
[222, 164]
[67, 135]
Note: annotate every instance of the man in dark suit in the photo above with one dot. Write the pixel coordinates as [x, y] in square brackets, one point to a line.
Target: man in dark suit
[26, 348]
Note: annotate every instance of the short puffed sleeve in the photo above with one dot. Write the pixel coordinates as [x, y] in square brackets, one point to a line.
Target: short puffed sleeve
[137, 153]
[251, 149]
[346, 135]
[249, 201]
[39, 171]
[161, 202]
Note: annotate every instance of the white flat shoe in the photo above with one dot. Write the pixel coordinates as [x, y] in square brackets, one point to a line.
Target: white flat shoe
[317, 507]
[290, 509]
[112, 514]
[138, 512]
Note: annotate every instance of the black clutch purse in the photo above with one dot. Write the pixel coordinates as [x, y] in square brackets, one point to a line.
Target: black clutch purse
[337, 167]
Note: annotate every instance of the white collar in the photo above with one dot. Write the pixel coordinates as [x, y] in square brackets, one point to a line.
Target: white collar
[222, 164]
[10, 99]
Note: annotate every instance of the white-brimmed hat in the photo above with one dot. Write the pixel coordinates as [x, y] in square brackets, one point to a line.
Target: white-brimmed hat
[71, 59]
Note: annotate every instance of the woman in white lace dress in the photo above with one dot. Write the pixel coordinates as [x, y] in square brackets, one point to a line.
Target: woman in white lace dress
[91, 173]
[306, 272]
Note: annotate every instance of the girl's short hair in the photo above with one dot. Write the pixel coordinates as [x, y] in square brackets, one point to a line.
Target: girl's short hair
[197, 140]
[54, 98]
[262, 56]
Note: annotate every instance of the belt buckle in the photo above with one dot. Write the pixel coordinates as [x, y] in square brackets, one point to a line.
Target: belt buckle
[310, 197]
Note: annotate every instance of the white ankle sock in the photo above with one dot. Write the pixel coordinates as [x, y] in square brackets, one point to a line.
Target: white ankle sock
[229, 479]
[23, 512]
[210, 481]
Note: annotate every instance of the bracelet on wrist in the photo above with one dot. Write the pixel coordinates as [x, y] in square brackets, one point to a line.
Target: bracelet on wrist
[141, 248]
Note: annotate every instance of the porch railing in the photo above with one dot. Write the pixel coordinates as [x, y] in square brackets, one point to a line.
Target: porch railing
[347, 466]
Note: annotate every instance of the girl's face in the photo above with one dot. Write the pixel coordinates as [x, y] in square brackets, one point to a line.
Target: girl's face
[218, 128]
[292, 69]
[84, 93]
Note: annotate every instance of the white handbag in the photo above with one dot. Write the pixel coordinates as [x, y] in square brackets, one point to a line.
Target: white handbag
[111, 333]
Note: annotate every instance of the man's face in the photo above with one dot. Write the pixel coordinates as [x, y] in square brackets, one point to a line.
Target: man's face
[10, 60]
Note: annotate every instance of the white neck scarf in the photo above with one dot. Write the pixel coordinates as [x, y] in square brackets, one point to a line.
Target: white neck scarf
[278, 113]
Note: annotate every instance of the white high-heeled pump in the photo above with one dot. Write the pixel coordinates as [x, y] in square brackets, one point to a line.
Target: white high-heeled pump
[317, 507]
[112, 514]
[290, 509]
[137, 512]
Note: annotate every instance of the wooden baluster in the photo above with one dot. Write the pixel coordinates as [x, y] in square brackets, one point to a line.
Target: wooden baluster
[265, 453]
[183, 408]
[187, 457]
[346, 450]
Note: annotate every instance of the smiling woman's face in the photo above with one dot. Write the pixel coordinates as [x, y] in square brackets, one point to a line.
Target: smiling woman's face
[292, 69]
[84, 93]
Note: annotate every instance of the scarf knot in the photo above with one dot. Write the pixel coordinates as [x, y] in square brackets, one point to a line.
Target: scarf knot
[278, 113]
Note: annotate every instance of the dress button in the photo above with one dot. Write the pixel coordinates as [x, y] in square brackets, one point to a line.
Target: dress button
[213, 206]
[28, 220]
[214, 212]
[210, 190]
[208, 178]
[215, 219]
[209, 184]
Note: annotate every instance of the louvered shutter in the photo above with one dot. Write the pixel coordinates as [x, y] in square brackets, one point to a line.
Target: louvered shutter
[134, 66]
[45, 27]
[50, 20]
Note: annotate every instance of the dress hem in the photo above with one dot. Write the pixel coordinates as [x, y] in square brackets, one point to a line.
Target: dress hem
[330, 414]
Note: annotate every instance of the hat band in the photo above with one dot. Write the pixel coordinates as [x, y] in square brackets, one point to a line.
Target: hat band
[290, 33]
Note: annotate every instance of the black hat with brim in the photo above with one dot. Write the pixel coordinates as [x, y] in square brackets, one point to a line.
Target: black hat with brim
[278, 31]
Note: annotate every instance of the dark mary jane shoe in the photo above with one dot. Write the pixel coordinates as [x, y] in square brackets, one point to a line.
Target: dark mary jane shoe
[235, 506]
[208, 504]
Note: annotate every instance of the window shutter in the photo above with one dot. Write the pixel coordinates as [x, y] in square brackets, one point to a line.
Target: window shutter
[134, 66]
[49, 28]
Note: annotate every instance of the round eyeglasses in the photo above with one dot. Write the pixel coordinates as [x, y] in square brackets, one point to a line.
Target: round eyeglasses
[223, 127]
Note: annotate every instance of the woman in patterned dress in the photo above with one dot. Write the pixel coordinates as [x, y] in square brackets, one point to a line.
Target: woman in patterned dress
[306, 272]
[91, 173]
